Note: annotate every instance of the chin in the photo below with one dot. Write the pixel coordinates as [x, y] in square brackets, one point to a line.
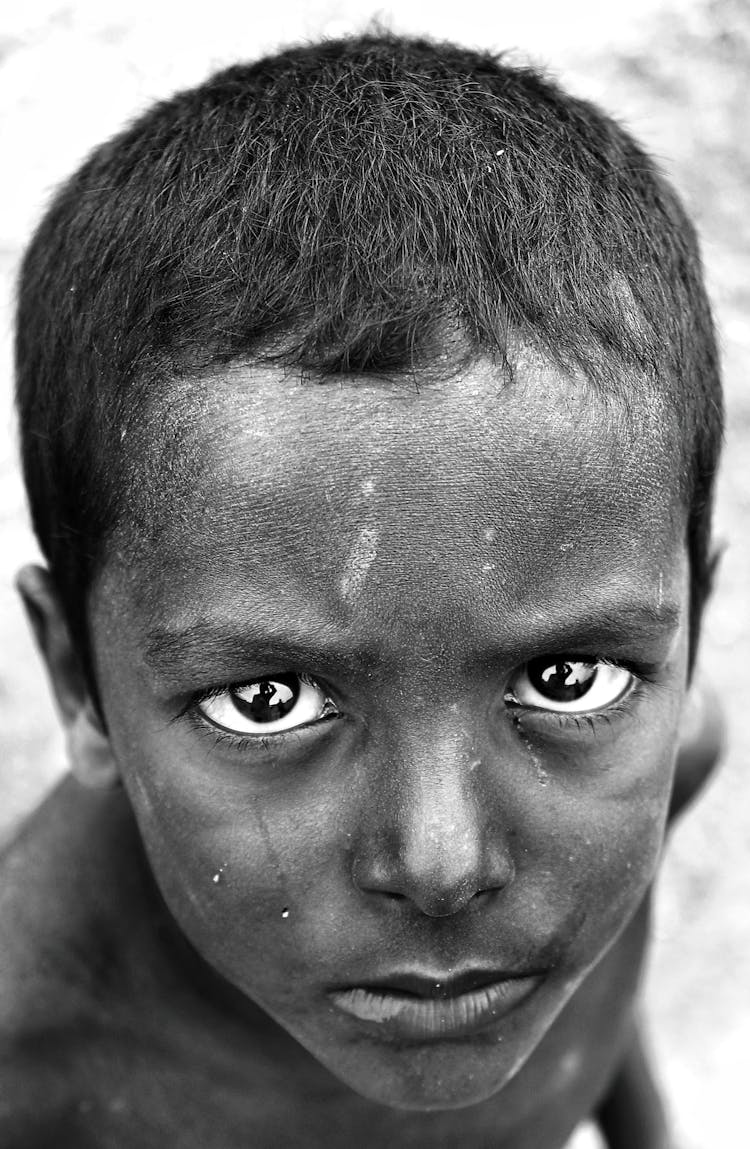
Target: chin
[428, 1102]
[424, 1082]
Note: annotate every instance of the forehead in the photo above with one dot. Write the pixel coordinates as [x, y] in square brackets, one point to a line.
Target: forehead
[366, 492]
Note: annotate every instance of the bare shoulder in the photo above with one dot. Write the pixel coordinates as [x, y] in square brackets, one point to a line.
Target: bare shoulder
[59, 879]
[96, 1002]
[701, 746]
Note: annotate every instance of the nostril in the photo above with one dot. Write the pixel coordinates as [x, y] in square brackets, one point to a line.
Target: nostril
[482, 896]
[444, 905]
[373, 878]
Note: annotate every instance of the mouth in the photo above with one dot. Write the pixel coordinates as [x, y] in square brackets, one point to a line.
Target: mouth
[416, 1007]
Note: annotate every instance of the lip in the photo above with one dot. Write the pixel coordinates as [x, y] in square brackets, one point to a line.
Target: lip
[414, 1007]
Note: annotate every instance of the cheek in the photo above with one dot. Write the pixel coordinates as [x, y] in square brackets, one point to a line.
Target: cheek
[598, 865]
[248, 880]
[212, 856]
[591, 841]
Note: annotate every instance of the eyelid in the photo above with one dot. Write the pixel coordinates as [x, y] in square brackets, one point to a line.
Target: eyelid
[639, 673]
[244, 738]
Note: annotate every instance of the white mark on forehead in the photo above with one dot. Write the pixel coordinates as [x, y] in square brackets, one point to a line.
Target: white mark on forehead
[368, 488]
[660, 590]
[361, 557]
[490, 534]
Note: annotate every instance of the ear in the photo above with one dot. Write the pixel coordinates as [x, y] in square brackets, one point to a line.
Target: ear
[700, 593]
[89, 752]
[703, 735]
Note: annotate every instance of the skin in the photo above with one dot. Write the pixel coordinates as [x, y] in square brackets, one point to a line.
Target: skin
[410, 550]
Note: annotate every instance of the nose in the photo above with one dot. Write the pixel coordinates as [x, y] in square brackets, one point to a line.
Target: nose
[433, 833]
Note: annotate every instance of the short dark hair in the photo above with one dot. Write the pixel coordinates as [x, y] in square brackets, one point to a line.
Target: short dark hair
[334, 207]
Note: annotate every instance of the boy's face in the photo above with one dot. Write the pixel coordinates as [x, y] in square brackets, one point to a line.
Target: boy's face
[394, 692]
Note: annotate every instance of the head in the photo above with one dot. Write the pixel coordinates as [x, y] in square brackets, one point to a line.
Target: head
[370, 412]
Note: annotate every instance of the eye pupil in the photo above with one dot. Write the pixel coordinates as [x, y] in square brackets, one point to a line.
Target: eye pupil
[562, 681]
[269, 699]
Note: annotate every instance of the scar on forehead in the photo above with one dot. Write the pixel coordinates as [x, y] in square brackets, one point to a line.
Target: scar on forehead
[359, 560]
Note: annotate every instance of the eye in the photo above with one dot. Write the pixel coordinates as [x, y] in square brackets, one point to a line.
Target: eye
[269, 705]
[569, 685]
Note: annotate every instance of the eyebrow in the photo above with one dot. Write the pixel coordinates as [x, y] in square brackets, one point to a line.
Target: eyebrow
[210, 647]
[217, 649]
[614, 626]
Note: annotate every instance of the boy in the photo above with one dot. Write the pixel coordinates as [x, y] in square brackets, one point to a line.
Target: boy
[370, 412]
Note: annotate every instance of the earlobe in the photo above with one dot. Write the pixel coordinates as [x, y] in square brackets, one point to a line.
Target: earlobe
[90, 754]
[715, 559]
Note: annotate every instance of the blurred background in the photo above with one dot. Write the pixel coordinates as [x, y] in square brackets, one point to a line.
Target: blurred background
[677, 73]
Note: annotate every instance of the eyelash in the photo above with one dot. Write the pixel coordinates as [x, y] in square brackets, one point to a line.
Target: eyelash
[244, 742]
[594, 719]
[646, 675]
[239, 743]
[643, 674]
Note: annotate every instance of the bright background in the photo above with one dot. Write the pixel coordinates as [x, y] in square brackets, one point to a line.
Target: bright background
[678, 74]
